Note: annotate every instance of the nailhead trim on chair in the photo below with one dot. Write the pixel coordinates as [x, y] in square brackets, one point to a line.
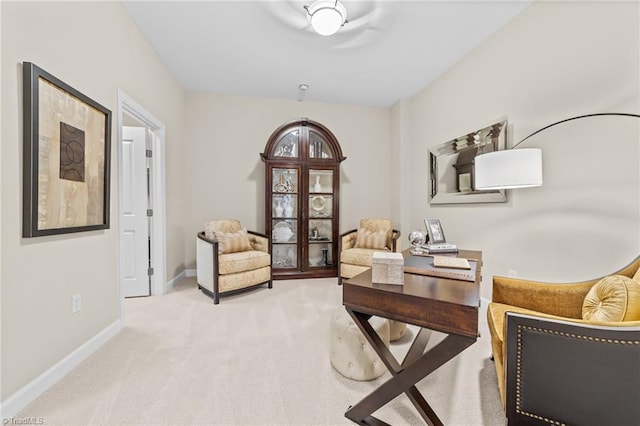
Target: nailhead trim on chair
[559, 333]
[578, 336]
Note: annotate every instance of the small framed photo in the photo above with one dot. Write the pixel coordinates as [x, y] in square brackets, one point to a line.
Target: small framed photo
[434, 229]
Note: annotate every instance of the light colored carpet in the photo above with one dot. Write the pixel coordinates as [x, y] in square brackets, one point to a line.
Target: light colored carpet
[259, 358]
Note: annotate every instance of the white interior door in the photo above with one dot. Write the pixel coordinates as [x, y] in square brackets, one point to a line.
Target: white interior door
[134, 238]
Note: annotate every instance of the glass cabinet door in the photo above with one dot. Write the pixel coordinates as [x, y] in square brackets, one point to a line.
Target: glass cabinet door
[284, 216]
[287, 146]
[320, 214]
[318, 147]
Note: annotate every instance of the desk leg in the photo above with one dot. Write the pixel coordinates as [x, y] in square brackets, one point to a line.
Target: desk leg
[415, 367]
[362, 321]
[417, 347]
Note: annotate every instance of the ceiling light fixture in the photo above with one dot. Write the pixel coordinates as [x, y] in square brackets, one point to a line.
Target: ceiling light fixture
[326, 16]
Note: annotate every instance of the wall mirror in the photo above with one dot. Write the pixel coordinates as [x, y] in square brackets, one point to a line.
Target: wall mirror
[451, 167]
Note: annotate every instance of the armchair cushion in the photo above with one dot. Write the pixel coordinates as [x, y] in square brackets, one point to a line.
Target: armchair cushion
[358, 256]
[348, 271]
[613, 298]
[232, 263]
[497, 315]
[231, 282]
[233, 242]
[371, 240]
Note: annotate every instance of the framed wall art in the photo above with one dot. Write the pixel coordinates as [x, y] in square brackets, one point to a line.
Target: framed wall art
[66, 157]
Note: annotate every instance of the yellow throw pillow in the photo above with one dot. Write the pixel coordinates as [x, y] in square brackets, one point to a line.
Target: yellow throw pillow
[613, 298]
[371, 240]
[232, 242]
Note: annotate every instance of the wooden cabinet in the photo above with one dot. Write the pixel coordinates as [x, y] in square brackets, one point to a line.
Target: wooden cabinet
[302, 199]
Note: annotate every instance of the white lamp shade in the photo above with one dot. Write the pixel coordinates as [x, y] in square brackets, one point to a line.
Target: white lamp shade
[513, 168]
[327, 16]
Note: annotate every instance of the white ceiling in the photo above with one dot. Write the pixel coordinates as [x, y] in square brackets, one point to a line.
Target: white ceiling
[388, 51]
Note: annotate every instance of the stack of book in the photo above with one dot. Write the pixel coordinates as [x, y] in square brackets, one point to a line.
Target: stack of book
[440, 248]
[454, 268]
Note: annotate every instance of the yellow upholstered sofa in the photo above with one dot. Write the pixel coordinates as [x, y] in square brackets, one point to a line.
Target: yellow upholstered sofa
[356, 247]
[229, 258]
[595, 300]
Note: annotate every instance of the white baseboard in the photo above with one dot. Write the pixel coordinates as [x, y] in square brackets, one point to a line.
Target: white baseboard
[175, 280]
[28, 393]
[191, 272]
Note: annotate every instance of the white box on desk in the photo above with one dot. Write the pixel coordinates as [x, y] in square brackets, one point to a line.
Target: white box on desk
[387, 268]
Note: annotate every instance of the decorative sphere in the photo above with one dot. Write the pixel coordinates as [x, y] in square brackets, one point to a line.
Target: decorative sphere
[417, 238]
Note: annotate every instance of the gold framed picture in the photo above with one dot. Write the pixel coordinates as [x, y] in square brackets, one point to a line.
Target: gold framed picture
[66, 157]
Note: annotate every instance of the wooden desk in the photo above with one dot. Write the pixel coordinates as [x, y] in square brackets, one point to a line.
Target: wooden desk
[432, 303]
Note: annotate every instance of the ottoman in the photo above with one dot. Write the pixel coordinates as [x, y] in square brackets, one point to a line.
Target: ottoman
[396, 330]
[351, 354]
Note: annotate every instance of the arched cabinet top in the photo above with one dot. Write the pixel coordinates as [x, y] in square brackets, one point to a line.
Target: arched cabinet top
[304, 140]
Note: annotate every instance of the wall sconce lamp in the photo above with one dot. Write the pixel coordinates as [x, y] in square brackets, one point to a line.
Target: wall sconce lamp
[326, 16]
[518, 168]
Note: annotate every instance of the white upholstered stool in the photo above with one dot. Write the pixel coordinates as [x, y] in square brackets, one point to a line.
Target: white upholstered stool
[351, 354]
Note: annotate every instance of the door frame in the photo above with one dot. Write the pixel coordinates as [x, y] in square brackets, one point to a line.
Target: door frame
[126, 104]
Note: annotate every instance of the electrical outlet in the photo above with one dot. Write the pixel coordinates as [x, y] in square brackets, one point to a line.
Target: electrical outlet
[76, 303]
[513, 273]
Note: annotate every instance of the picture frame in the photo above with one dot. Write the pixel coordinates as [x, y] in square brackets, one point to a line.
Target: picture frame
[66, 157]
[435, 232]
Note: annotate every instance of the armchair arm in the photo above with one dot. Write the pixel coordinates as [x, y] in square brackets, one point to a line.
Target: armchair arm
[206, 261]
[630, 269]
[213, 242]
[564, 300]
[395, 234]
[347, 240]
[259, 241]
[561, 299]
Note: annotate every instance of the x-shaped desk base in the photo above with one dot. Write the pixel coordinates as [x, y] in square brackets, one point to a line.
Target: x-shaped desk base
[416, 365]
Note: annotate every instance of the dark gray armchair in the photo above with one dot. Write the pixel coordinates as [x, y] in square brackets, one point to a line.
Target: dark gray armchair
[567, 373]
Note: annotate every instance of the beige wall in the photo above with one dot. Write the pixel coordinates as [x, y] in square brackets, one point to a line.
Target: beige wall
[400, 161]
[225, 175]
[95, 48]
[553, 61]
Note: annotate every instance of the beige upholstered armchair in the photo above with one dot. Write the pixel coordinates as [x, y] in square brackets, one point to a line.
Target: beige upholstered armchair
[230, 258]
[356, 247]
